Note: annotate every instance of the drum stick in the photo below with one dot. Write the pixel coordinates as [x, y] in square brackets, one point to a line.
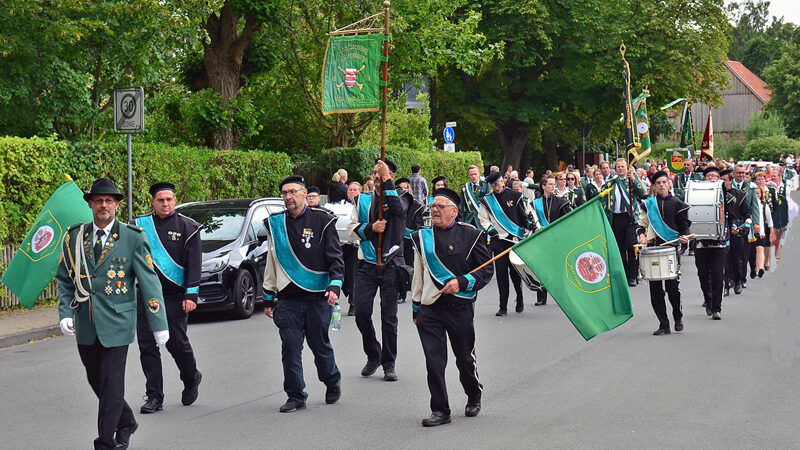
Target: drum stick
[500, 255]
[675, 240]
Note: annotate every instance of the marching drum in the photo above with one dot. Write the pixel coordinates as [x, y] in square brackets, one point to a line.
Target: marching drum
[658, 263]
[525, 273]
[707, 212]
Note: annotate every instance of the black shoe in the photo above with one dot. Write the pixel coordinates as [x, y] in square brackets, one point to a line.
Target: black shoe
[472, 409]
[401, 301]
[151, 405]
[632, 283]
[189, 394]
[520, 307]
[661, 331]
[708, 311]
[678, 326]
[737, 289]
[501, 312]
[752, 273]
[389, 375]
[437, 418]
[351, 311]
[716, 316]
[292, 406]
[540, 303]
[744, 284]
[370, 368]
[691, 252]
[727, 291]
[766, 268]
[760, 273]
[123, 438]
[333, 393]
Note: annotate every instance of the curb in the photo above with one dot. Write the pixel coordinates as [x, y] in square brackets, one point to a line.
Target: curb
[24, 337]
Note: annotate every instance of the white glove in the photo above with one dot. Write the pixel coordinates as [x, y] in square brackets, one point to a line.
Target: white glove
[161, 336]
[66, 326]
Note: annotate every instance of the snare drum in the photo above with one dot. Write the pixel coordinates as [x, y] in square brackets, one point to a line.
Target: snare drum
[524, 271]
[658, 263]
[707, 212]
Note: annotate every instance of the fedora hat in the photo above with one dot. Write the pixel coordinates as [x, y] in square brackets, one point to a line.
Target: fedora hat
[103, 186]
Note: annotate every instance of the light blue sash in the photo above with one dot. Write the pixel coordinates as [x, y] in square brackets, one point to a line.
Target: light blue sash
[662, 230]
[537, 204]
[439, 272]
[367, 249]
[502, 219]
[305, 278]
[168, 267]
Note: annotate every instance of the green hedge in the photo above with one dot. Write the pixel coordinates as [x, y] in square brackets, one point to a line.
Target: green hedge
[31, 169]
[359, 163]
[769, 148]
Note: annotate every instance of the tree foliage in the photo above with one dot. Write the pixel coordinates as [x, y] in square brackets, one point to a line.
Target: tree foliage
[783, 77]
[755, 40]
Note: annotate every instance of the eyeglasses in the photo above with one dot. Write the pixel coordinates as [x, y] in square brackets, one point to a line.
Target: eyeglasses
[313, 196]
[290, 193]
[440, 207]
[570, 178]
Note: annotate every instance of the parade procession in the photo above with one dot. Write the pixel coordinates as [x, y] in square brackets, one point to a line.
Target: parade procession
[626, 277]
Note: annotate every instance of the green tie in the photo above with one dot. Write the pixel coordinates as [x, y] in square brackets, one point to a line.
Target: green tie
[98, 246]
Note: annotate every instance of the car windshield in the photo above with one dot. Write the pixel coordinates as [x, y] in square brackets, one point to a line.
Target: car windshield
[218, 224]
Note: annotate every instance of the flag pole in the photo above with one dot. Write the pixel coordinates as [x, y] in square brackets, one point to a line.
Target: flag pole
[384, 88]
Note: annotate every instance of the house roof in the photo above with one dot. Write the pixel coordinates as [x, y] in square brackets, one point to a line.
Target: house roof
[756, 85]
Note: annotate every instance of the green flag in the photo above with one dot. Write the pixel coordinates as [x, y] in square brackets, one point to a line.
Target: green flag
[351, 74]
[642, 123]
[35, 263]
[577, 259]
[687, 133]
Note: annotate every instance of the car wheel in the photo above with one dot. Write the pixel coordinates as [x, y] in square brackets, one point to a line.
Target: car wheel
[244, 295]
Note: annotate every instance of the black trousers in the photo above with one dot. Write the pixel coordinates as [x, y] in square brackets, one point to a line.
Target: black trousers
[673, 291]
[751, 256]
[435, 323]
[736, 265]
[622, 225]
[502, 271]
[178, 346]
[710, 264]
[105, 370]
[299, 319]
[350, 255]
[366, 286]
[541, 295]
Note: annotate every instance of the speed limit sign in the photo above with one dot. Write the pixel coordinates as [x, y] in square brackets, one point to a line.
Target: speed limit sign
[129, 110]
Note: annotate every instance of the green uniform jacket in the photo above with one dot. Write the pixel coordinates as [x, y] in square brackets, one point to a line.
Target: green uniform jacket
[469, 211]
[752, 200]
[125, 258]
[680, 182]
[636, 194]
[780, 207]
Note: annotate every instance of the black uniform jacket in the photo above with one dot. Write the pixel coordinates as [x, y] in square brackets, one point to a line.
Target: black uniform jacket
[675, 214]
[394, 212]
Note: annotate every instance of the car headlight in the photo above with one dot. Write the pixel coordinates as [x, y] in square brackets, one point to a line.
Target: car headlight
[215, 264]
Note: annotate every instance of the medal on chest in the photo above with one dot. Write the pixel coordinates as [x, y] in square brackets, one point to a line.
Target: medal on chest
[308, 233]
[510, 203]
[174, 235]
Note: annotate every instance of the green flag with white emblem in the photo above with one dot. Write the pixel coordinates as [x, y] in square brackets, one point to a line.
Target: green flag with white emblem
[582, 269]
[35, 263]
[351, 74]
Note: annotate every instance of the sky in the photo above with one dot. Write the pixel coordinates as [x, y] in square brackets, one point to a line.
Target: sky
[789, 9]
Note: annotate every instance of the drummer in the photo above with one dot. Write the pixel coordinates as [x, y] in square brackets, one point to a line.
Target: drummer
[664, 218]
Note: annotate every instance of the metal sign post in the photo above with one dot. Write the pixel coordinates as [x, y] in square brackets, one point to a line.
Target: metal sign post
[129, 119]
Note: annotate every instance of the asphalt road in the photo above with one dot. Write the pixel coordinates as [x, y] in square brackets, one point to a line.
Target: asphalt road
[719, 384]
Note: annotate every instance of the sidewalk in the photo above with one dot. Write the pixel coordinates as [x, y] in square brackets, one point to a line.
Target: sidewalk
[21, 327]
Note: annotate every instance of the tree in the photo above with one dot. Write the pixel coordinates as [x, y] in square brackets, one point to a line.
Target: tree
[783, 77]
[561, 67]
[61, 60]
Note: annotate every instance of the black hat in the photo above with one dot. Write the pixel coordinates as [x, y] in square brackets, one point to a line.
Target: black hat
[298, 179]
[709, 170]
[162, 186]
[313, 189]
[402, 180]
[492, 177]
[438, 179]
[389, 163]
[658, 175]
[722, 173]
[103, 186]
[449, 193]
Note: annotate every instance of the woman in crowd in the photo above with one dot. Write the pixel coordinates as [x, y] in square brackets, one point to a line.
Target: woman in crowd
[338, 189]
[762, 241]
[350, 253]
[369, 185]
[576, 195]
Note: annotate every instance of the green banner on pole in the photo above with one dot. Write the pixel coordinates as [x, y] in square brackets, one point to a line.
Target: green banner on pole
[351, 74]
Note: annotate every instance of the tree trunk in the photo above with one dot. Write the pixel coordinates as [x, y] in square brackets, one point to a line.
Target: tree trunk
[434, 123]
[222, 59]
[512, 138]
[550, 154]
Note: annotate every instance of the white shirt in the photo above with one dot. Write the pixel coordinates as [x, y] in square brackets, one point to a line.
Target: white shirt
[107, 232]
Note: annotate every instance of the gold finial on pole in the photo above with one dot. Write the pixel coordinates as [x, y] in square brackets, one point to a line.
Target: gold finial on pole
[622, 49]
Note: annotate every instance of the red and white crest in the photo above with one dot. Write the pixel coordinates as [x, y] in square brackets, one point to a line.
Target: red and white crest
[350, 77]
[591, 267]
[42, 238]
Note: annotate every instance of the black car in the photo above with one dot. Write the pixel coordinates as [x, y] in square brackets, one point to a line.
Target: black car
[234, 256]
